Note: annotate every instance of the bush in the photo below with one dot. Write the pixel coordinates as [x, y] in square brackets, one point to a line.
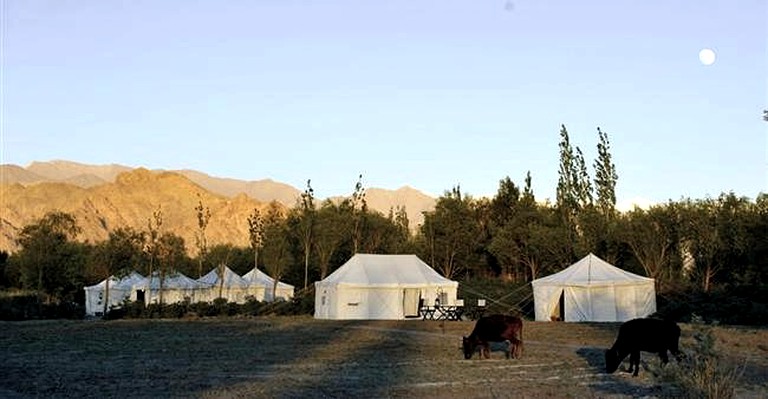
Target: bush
[745, 305]
[28, 305]
[701, 373]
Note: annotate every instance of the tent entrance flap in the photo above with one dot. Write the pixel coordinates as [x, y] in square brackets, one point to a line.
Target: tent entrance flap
[411, 302]
[558, 311]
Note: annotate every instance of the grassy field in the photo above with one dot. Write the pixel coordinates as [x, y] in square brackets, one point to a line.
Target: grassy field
[299, 357]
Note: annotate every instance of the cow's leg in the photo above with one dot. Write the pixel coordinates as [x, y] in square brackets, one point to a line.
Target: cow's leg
[487, 350]
[518, 348]
[634, 360]
[676, 352]
[510, 350]
[663, 356]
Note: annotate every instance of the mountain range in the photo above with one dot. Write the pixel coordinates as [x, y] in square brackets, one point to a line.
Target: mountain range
[105, 197]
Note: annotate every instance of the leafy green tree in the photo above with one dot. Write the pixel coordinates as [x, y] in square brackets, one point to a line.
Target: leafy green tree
[583, 183]
[239, 259]
[653, 236]
[256, 234]
[359, 208]
[49, 260]
[449, 234]
[734, 221]
[545, 247]
[171, 256]
[6, 279]
[331, 232]
[755, 271]
[702, 239]
[569, 189]
[382, 235]
[505, 227]
[402, 234]
[203, 217]
[605, 176]
[304, 221]
[120, 253]
[528, 199]
[151, 246]
[277, 246]
[504, 205]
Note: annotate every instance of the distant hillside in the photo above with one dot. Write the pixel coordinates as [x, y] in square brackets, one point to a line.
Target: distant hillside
[108, 196]
[74, 172]
[129, 201]
[262, 190]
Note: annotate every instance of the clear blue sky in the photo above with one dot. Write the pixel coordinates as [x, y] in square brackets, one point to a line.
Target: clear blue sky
[423, 93]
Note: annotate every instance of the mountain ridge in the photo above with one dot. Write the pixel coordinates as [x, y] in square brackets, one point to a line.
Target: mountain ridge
[103, 197]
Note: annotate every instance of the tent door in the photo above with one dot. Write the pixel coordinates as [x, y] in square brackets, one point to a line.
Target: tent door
[411, 302]
[558, 313]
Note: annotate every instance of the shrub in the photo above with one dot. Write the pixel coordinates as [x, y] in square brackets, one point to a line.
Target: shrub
[28, 305]
[745, 305]
[702, 373]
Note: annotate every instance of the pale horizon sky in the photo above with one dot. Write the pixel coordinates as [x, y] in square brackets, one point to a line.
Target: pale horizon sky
[428, 94]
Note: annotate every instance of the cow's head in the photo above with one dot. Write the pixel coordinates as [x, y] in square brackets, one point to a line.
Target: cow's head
[468, 347]
[612, 360]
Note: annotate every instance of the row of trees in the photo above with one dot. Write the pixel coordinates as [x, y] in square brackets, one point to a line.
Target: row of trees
[699, 243]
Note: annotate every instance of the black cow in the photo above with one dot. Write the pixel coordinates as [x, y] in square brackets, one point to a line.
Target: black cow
[647, 335]
[495, 328]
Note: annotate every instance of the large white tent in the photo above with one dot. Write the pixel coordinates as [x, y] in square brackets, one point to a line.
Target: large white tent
[120, 289]
[383, 287]
[225, 283]
[593, 290]
[260, 286]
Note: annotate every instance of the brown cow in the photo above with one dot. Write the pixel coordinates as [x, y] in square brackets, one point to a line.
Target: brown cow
[495, 328]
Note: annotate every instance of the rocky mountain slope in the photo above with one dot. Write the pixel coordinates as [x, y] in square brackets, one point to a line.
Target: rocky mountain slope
[104, 197]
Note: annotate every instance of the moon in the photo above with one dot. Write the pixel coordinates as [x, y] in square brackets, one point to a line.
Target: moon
[707, 56]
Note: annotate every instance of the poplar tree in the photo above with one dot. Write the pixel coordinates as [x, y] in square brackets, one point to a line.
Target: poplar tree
[605, 176]
[154, 224]
[203, 217]
[256, 234]
[567, 195]
[307, 226]
[583, 185]
[359, 209]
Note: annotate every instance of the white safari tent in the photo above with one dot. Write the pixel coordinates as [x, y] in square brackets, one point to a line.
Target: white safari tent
[381, 287]
[225, 283]
[176, 288]
[593, 290]
[119, 290]
[260, 286]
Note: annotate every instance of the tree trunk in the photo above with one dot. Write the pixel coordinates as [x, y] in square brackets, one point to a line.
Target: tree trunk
[106, 297]
[306, 264]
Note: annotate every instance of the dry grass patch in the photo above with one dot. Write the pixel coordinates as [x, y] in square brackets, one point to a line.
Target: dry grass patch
[288, 357]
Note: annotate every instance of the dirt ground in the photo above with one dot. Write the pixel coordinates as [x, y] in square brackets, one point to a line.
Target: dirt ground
[299, 357]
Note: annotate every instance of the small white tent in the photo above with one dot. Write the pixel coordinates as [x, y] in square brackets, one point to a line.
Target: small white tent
[119, 290]
[231, 286]
[260, 286]
[593, 290]
[382, 287]
[176, 288]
